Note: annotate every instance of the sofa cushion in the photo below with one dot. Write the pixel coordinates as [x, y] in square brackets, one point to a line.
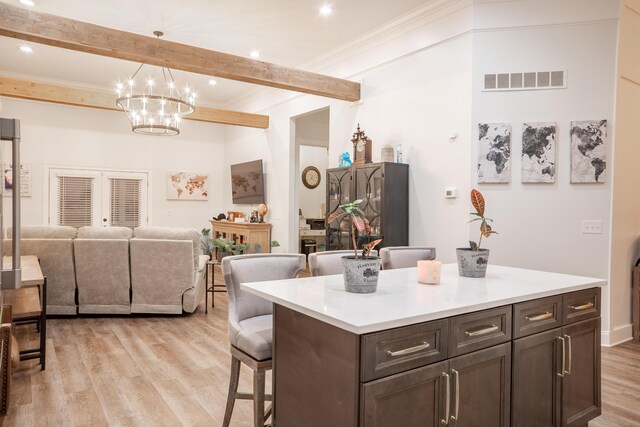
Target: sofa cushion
[171, 233]
[44, 232]
[105, 233]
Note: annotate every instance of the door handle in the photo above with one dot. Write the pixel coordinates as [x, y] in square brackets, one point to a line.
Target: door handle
[447, 400]
[482, 331]
[541, 316]
[564, 350]
[568, 371]
[456, 405]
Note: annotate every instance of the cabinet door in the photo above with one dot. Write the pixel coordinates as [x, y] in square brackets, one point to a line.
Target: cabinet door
[535, 397]
[581, 383]
[368, 186]
[414, 398]
[480, 388]
[338, 193]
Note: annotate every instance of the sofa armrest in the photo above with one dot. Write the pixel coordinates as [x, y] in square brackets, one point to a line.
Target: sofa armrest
[202, 262]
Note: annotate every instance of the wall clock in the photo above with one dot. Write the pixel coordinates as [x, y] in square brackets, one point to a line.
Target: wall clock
[311, 177]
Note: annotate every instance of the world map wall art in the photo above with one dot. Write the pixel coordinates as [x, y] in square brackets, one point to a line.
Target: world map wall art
[539, 152]
[494, 153]
[588, 148]
[187, 186]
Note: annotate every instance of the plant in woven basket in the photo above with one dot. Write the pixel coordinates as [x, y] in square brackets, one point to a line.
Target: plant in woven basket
[359, 222]
[477, 200]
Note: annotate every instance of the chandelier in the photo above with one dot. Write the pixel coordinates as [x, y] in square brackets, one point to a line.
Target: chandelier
[156, 109]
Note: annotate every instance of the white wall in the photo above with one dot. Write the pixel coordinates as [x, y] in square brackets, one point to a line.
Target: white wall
[58, 135]
[540, 224]
[311, 199]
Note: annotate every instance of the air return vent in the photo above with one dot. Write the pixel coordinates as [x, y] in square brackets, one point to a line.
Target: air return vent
[525, 81]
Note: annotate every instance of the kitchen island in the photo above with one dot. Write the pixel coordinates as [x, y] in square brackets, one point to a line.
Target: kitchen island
[519, 347]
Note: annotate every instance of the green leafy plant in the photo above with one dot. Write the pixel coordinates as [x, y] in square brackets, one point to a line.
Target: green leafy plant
[223, 245]
[206, 243]
[359, 222]
[477, 200]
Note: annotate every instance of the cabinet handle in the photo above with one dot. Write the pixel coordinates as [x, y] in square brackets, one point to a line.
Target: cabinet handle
[447, 400]
[564, 351]
[456, 405]
[482, 331]
[541, 316]
[568, 371]
[581, 307]
[409, 350]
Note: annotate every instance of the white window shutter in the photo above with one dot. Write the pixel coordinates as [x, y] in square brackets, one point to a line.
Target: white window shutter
[125, 202]
[75, 204]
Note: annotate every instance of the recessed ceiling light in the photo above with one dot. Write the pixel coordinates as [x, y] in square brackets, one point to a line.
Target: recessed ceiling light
[255, 54]
[326, 10]
[212, 82]
[27, 2]
[26, 49]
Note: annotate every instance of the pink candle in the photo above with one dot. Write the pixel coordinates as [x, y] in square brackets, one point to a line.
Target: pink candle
[429, 272]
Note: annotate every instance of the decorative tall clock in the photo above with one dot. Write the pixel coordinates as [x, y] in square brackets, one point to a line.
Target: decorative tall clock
[361, 147]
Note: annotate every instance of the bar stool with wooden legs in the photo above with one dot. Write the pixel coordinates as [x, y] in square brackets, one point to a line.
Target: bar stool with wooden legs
[251, 323]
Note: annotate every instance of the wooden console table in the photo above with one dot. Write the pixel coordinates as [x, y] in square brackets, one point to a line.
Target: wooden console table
[29, 303]
[256, 234]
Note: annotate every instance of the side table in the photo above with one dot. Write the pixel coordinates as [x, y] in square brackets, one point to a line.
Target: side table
[213, 288]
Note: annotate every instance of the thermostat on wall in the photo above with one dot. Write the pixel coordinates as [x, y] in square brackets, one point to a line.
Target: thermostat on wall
[451, 193]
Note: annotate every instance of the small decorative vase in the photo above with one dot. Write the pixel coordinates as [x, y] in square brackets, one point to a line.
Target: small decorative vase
[387, 154]
[361, 275]
[472, 263]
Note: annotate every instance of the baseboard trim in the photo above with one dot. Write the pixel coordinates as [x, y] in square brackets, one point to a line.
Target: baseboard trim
[617, 336]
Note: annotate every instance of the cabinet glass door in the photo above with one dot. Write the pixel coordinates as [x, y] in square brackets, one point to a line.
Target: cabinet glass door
[338, 192]
[368, 185]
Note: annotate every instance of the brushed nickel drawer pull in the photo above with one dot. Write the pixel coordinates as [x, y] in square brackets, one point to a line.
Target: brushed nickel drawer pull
[409, 350]
[483, 331]
[563, 370]
[447, 400]
[456, 405]
[581, 307]
[542, 316]
[568, 370]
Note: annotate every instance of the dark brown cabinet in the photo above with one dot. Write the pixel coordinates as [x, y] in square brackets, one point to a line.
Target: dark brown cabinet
[384, 190]
[413, 398]
[556, 376]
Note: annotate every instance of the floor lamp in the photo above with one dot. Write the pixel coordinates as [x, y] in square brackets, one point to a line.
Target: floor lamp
[10, 131]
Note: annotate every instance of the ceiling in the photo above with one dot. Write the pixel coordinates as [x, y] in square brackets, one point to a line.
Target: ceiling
[285, 32]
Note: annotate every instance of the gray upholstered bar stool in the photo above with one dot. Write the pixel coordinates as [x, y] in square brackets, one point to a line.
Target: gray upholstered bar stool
[329, 262]
[405, 256]
[251, 323]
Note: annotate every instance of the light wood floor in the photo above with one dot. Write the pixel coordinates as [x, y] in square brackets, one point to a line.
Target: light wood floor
[172, 371]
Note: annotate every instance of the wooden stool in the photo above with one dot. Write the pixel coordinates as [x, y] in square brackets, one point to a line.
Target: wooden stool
[258, 396]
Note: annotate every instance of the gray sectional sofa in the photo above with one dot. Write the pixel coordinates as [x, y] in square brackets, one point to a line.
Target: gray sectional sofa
[116, 270]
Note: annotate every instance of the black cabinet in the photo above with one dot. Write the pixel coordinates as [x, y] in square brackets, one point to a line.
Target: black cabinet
[384, 190]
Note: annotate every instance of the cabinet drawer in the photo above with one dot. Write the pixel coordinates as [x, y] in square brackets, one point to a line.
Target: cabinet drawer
[581, 305]
[537, 316]
[475, 331]
[397, 350]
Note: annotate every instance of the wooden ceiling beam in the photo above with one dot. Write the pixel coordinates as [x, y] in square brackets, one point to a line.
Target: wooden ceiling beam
[57, 94]
[80, 36]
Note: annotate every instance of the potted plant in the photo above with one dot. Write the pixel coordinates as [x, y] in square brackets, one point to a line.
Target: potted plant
[206, 243]
[472, 261]
[360, 272]
[226, 247]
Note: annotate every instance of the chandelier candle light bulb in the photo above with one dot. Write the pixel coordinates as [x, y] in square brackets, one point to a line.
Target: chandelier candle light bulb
[160, 110]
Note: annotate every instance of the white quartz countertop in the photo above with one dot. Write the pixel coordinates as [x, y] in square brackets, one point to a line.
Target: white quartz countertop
[400, 300]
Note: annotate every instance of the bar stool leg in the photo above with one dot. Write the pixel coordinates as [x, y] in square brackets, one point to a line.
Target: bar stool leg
[258, 398]
[233, 389]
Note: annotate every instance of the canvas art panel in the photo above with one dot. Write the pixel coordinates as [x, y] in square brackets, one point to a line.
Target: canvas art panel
[588, 151]
[187, 185]
[539, 152]
[494, 153]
